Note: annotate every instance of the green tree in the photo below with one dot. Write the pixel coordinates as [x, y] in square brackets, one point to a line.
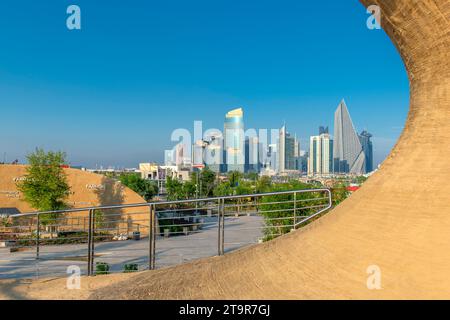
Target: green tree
[189, 190]
[146, 189]
[223, 189]
[339, 193]
[174, 189]
[263, 184]
[253, 176]
[206, 180]
[359, 179]
[278, 210]
[178, 190]
[234, 177]
[244, 187]
[45, 186]
[230, 186]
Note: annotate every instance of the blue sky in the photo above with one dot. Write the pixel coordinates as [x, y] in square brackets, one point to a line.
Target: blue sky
[112, 93]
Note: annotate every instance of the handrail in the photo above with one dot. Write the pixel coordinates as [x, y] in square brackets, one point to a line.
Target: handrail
[330, 204]
[149, 204]
[222, 218]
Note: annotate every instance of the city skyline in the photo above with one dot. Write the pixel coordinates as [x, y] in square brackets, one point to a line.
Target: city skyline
[234, 123]
[273, 151]
[170, 70]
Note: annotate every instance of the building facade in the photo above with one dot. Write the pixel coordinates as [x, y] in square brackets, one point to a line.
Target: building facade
[320, 161]
[367, 147]
[234, 148]
[288, 152]
[252, 154]
[348, 154]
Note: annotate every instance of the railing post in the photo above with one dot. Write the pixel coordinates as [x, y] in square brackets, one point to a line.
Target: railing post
[295, 209]
[38, 235]
[223, 228]
[155, 226]
[93, 241]
[151, 239]
[89, 256]
[330, 198]
[219, 220]
[91, 232]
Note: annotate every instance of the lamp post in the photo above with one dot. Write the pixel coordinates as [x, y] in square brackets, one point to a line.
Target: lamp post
[199, 167]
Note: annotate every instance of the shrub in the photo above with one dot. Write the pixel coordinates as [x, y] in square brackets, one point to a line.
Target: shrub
[130, 267]
[101, 268]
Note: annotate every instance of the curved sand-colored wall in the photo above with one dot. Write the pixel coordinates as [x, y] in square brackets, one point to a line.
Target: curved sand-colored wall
[87, 190]
[399, 220]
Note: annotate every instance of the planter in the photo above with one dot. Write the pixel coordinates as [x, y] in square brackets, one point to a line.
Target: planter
[136, 235]
[7, 244]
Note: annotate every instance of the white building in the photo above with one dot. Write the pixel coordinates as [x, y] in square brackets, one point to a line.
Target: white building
[320, 161]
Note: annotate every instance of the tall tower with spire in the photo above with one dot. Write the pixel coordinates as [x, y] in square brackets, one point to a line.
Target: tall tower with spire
[348, 154]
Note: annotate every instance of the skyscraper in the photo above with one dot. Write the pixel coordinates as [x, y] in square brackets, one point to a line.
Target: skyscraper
[234, 148]
[289, 151]
[214, 150]
[348, 155]
[282, 150]
[271, 159]
[297, 152]
[252, 149]
[208, 151]
[197, 152]
[323, 129]
[367, 147]
[320, 161]
[303, 161]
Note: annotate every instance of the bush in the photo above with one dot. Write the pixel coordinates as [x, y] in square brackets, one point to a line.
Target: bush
[130, 267]
[101, 268]
[278, 209]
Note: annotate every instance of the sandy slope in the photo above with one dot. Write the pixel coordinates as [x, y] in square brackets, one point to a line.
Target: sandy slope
[54, 289]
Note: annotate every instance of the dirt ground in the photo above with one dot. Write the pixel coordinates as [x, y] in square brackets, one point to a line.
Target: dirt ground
[55, 289]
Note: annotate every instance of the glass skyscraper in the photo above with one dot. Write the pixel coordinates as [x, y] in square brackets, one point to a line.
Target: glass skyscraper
[234, 148]
[367, 147]
[289, 151]
[348, 154]
[252, 154]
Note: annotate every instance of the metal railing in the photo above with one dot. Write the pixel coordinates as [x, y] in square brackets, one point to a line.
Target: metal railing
[134, 237]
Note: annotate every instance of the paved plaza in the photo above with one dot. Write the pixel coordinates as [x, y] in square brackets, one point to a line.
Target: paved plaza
[54, 260]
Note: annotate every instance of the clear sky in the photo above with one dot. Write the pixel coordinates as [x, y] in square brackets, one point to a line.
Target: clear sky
[112, 92]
